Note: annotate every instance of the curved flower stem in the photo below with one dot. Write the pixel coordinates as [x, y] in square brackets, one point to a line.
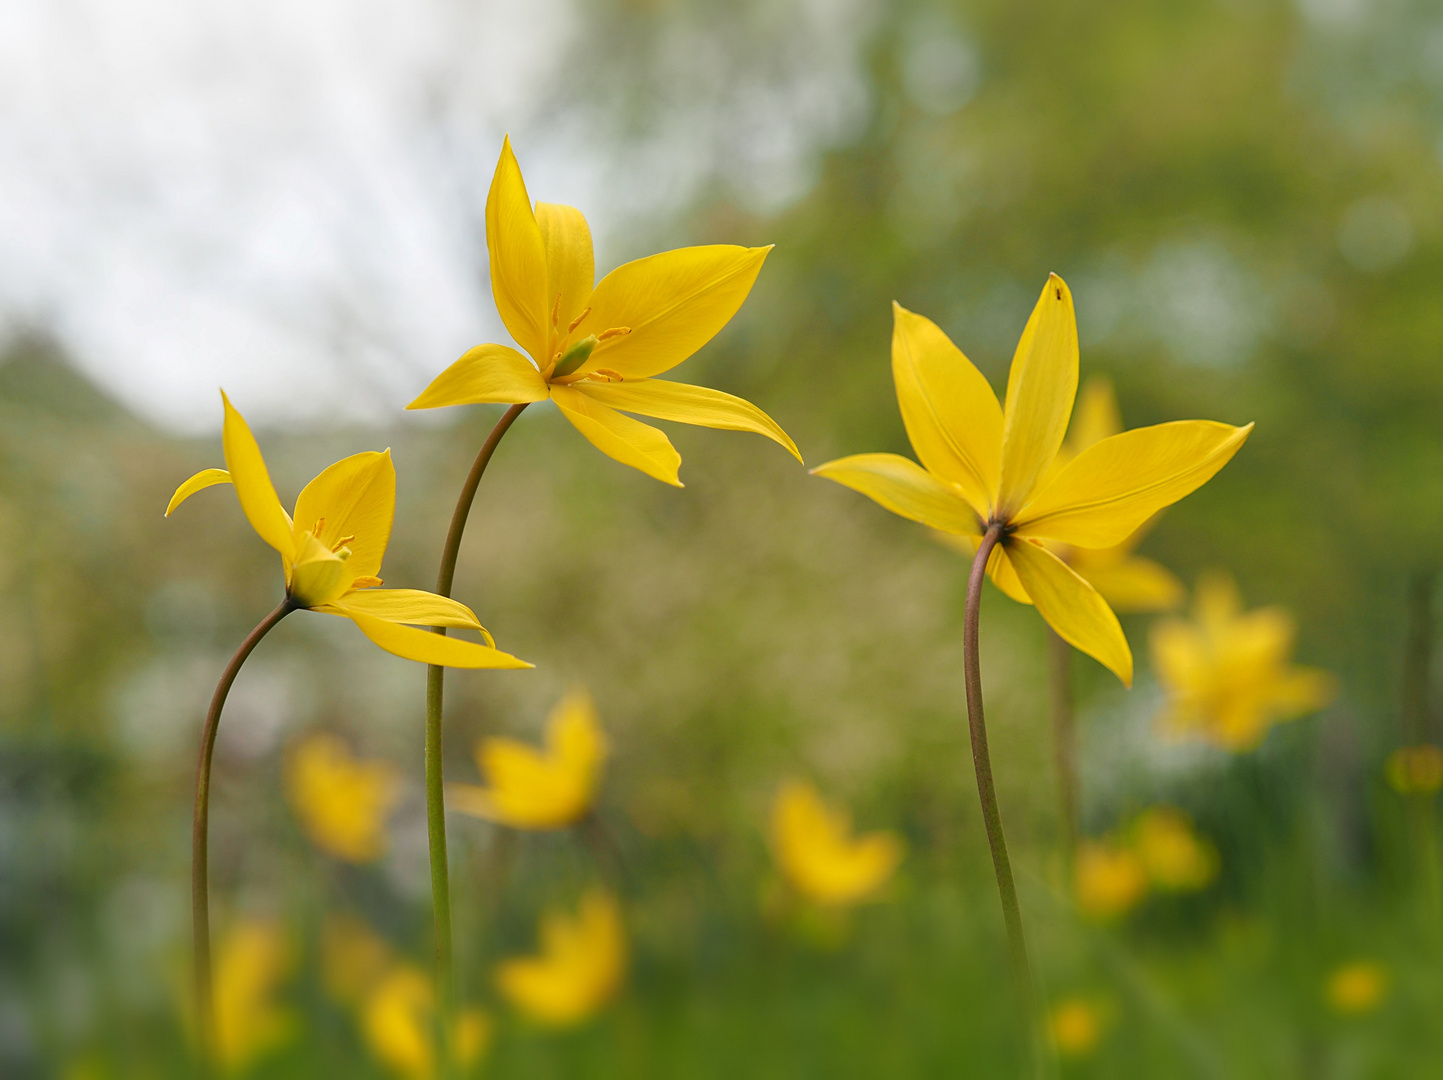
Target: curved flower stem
[987, 792]
[435, 780]
[200, 835]
[1064, 737]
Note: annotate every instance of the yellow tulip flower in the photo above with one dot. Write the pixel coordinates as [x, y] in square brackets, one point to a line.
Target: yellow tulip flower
[579, 969]
[398, 1022]
[331, 550]
[342, 803]
[252, 961]
[595, 350]
[1357, 988]
[817, 853]
[534, 789]
[1227, 672]
[1110, 879]
[988, 469]
[1176, 858]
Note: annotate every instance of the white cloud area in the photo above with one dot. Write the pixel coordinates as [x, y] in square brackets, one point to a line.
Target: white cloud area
[286, 199]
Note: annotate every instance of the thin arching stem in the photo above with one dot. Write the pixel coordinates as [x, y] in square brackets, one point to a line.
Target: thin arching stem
[987, 791]
[1064, 736]
[200, 835]
[435, 780]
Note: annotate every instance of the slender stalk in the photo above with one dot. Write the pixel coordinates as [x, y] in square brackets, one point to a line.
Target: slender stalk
[435, 780]
[987, 792]
[1064, 736]
[1417, 654]
[200, 835]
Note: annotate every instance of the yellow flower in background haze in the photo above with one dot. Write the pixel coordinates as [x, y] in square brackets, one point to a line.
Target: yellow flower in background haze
[535, 789]
[1076, 1027]
[594, 350]
[331, 550]
[986, 464]
[1357, 988]
[398, 1021]
[1227, 673]
[1415, 770]
[342, 803]
[1109, 879]
[1175, 857]
[353, 958]
[580, 966]
[817, 853]
[252, 961]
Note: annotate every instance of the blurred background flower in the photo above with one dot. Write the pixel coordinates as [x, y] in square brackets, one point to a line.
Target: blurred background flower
[1357, 988]
[580, 966]
[820, 857]
[341, 803]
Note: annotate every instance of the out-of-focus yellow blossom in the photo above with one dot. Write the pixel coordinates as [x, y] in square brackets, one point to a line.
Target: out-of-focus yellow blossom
[398, 1022]
[594, 351]
[331, 550]
[1415, 770]
[1109, 879]
[1227, 672]
[342, 803]
[1357, 988]
[353, 958]
[579, 969]
[535, 789]
[817, 853]
[1175, 857]
[1076, 1026]
[252, 961]
[987, 468]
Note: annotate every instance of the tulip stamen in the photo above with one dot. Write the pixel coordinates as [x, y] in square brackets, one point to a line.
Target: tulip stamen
[614, 332]
[605, 374]
[577, 321]
[556, 311]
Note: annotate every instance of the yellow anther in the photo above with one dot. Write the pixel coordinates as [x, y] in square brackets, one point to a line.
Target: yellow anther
[342, 542]
[615, 331]
[607, 374]
[366, 583]
[577, 321]
[556, 310]
[318, 527]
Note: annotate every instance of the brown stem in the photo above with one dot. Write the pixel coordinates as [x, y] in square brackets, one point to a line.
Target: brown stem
[435, 778]
[200, 835]
[1064, 735]
[987, 792]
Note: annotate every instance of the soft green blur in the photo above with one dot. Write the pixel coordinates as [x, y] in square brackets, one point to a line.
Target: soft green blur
[1246, 198]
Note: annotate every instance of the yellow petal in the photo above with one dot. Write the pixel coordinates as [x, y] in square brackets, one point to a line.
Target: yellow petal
[905, 488]
[628, 441]
[1096, 417]
[253, 483]
[356, 499]
[428, 648]
[1301, 690]
[518, 258]
[999, 566]
[949, 409]
[1110, 489]
[1072, 607]
[409, 606]
[1133, 584]
[487, 373]
[199, 482]
[570, 262]
[673, 304]
[1040, 390]
[688, 404]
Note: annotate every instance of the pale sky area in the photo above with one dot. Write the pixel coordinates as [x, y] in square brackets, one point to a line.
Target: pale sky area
[286, 199]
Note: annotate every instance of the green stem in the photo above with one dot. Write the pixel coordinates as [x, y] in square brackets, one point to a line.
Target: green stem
[435, 779]
[1064, 736]
[987, 792]
[200, 836]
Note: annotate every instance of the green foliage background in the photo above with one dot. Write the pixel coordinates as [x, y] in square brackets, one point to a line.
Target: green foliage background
[1246, 197]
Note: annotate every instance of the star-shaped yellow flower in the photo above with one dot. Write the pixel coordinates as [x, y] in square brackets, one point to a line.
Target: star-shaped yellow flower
[596, 350]
[342, 803]
[579, 969]
[990, 468]
[817, 853]
[1228, 674]
[532, 789]
[331, 550]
